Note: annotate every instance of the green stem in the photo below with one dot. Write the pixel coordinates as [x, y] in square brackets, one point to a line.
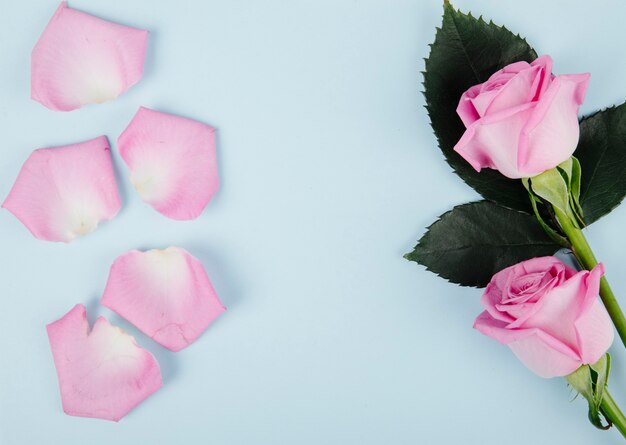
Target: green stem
[587, 259]
[612, 412]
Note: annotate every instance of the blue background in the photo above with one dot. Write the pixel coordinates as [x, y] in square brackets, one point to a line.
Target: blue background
[330, 173]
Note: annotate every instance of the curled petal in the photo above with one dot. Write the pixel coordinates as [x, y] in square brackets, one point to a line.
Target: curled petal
[545, 62]
[512, 68]
[165, 293]
[593, 326]
[64, 192]
[491, 299]
[557, 310]
[172, 162]
[467, 109]
[488, 142]
[540, 352]
[81, 59]
[553, 124]
[517, 91]
[102, 373]
[595, 332]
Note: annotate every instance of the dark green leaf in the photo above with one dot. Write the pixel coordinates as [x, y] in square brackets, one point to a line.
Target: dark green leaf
[467, 51]
[471, 242]
[602, 155]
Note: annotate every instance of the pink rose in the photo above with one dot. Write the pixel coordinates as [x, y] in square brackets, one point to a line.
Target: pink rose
[523, 120]
[548, 314]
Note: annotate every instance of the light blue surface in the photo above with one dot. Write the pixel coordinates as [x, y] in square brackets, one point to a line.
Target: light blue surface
[330, 173]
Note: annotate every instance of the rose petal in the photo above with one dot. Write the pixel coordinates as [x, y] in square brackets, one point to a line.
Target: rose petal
[551, 134]
[466, 109]
[165, 293]
[172, 162]
[557, 310]
[593, 326]
[595, 332]
[517, 91]
[512, 68]
[102, 373]
[549, 264]
[545, 62]
[491, 300]
[537, 350]
[482, 101]
[488, 143]
[498, 80]
[64, 192]
[525, 288]
[81, 59]
[538, 353]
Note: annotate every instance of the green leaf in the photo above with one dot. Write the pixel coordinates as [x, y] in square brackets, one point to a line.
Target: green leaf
[467, 51]
[602, 155]
[471, 242]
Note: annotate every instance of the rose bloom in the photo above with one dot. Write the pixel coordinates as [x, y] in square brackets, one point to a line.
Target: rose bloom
[548, 314]
[523, 120]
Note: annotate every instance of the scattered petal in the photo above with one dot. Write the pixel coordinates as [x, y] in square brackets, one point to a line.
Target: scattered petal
[63, 192]
[165, 293]
[81, 59]
[172, 162]
[102, 373]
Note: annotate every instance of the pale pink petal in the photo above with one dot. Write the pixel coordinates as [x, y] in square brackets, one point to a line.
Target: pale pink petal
[538, 353]
[551, 134]
[466, 109]
[517, 91]
[595, 332]
[81, 59]
[488, 142]
[63, 192]
[102, 373]
[165, 293]
[545, 62]
[528, 288]
[475, 101]
[593, 327]
[512, 68]
[537, 350]
[486, 324]
[491, 299]
[556, 312]
[548, 264]
[498, 80]
[172, 162]
[482, 101]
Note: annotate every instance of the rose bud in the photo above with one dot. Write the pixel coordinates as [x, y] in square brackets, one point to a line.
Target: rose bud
[548, 314]
[523, 120]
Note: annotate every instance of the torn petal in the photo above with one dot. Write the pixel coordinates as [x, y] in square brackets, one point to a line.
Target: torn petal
[81, 59]
[102, 373]
[172, 162]
[165, 293]
[63, 192]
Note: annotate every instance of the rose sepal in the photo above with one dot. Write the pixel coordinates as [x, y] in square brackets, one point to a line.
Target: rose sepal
[590, 381]
[559, 187]
[551, 232]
